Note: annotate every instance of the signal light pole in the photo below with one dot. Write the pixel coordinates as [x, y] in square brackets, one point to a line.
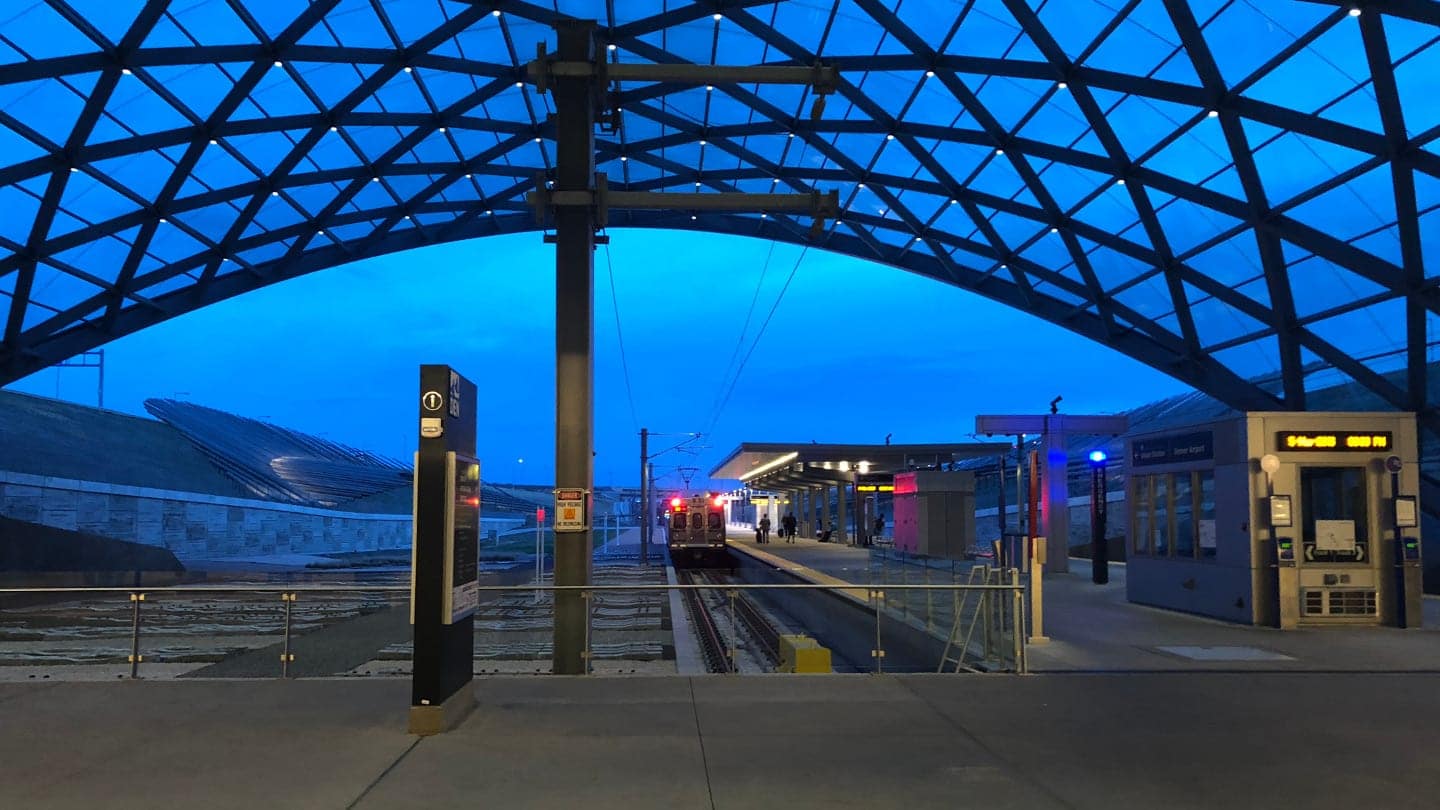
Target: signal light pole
[1099, 546]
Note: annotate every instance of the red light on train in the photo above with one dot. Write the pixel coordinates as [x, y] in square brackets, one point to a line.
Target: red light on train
[674, 503]
[720, 501]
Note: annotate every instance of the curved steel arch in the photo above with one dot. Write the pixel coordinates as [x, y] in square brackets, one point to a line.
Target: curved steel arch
[316, 146]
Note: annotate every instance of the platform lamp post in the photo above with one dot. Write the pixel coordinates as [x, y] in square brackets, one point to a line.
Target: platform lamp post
[1100, 547]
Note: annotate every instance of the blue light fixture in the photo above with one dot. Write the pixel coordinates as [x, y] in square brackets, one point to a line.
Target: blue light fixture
[1097, 456]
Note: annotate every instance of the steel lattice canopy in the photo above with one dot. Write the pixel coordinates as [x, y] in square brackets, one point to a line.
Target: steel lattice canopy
[1244, 194]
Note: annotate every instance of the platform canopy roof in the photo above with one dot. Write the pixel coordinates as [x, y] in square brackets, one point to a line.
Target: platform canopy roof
[1242, 193]
[775, 464]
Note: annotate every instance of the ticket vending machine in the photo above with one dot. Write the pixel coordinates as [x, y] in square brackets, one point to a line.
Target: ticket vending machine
[1336, 495]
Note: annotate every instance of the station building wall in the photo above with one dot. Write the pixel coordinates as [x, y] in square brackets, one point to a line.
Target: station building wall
[196, 526]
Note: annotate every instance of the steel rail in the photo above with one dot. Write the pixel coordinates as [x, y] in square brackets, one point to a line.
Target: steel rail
[712, 646]
[749, 615]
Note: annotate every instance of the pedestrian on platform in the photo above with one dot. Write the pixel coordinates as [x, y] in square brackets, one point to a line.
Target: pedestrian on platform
[879, 526]
[765, 529]
[788, 522]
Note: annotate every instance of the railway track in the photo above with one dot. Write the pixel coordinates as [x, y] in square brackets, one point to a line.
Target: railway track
[712, 644]
[710, 609]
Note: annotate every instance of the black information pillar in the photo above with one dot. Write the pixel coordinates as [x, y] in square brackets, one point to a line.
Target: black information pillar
[445, 551]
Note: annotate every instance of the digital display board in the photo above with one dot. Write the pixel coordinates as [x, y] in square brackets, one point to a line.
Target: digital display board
[464, 545]
[1334, 441]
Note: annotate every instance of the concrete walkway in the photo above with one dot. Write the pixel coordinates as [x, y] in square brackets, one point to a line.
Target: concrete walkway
[1201, 740]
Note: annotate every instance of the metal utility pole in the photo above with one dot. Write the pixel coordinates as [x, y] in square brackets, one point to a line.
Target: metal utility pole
[578, 205]
[574, 341]
[644, 497]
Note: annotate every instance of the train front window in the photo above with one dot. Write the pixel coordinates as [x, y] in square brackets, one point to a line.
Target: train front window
[697, 520]
[716, 521]
[677, 520]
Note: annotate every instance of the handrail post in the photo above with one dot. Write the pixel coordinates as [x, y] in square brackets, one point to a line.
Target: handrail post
[879, 653]
[285, 655]
[929, 603]
[1017, 618]
[586, 654]
[135, 657]
[987, 598]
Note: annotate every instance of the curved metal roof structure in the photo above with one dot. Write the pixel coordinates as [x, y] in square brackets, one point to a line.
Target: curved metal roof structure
[1242, 193]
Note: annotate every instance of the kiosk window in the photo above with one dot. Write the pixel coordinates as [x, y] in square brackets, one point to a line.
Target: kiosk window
[1333, 514]
[1160, 517]
[1184, 516]
[1140, 518]
[1206, 513]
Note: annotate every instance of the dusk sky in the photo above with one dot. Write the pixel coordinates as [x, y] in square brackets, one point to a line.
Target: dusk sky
[855, 350]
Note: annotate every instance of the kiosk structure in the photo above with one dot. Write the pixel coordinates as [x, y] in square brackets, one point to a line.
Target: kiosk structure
[1279, 519]
[444, 552]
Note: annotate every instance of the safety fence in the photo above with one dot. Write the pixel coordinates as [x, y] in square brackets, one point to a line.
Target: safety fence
[277, 631]
[975, 624]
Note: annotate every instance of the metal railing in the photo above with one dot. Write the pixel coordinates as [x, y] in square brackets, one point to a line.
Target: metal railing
[981, 631]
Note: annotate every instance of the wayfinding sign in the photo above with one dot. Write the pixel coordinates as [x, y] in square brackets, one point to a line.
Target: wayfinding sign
[571, 510]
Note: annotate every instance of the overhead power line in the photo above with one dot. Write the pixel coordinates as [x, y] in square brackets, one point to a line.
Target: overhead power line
[620, 336]
[739, 340]
[739, 372]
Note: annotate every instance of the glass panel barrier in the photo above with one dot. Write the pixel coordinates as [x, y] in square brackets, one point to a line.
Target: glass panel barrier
[642, 622]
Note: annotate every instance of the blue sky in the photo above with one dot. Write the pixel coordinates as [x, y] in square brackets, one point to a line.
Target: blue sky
[855, 350]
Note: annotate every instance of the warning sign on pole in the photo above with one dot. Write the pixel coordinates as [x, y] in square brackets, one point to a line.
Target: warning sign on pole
[571, 514]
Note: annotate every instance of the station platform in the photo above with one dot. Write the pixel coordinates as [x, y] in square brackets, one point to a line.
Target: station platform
[1093, 628]
[858, 741]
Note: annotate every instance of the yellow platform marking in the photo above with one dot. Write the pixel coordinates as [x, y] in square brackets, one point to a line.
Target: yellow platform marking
[841, 586]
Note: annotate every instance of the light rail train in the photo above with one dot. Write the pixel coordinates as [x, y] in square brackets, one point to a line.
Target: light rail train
[696, 529]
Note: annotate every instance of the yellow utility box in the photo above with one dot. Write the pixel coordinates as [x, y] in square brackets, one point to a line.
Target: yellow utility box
[803, 654]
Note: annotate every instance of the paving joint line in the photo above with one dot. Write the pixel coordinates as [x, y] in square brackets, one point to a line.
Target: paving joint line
[700, 736]
[383, 774]
[965, 732]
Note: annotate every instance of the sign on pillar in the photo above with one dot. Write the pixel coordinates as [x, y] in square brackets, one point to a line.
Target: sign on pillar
[572, 513]
[445, 550]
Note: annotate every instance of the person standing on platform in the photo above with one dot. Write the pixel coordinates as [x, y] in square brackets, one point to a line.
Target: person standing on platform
[765, 529]
[788, 522]
[879, 527]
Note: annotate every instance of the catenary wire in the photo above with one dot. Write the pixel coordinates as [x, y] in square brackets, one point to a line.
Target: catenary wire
[739, 372]
[739, 340]
[620, 336]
